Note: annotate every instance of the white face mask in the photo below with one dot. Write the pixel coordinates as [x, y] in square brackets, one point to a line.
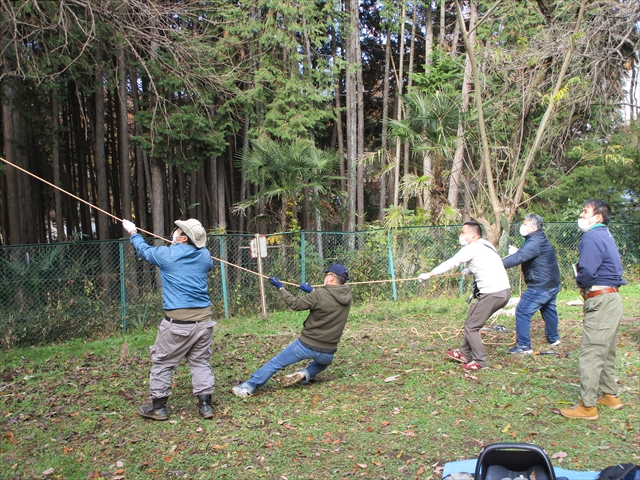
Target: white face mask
[524, 231]
[175, 237]
[462, 240]
[584, 224]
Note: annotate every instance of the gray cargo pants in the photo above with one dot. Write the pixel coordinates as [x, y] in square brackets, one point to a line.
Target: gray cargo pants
[175, 342]
[479, 313]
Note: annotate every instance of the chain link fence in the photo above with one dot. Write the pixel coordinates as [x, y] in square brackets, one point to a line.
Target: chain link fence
[57, 292]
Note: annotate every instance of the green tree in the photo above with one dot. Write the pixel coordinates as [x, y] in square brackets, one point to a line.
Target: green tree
[285, 172]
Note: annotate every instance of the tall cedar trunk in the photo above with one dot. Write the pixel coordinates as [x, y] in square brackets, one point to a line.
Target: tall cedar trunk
[385, 129]
[100, 159]
[360, 165]
[409, 84]
[443, 25]
[428, 39]
[458, 158]
[213, 189]
[400, 82]
[16, 232]
[456, 36]
[352, 114]
[141, 158]
[157, 195]
[113, 120]
[55, 160]
[339, 128]
[222, 219]
[123, 138]
[243, 173]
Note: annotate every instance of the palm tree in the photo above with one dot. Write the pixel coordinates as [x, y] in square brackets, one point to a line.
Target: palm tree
[431, 126]
[287, 171]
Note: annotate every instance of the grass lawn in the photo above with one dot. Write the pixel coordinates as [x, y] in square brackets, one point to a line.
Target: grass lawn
[389, 406]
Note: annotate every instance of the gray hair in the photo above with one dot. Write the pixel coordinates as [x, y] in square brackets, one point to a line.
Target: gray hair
[535, 220]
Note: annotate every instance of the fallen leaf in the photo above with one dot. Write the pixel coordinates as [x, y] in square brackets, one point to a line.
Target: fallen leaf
[48, 471]
[362, 465]
[218, 447]
[506, 429]
[559, 455]
[168, 458]
[420, 471]
[391, 378]
[65, 450]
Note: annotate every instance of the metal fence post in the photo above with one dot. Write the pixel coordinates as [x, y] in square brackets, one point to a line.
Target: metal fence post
[123, 299]
[391, 268]
[223, 279]
[302, 257]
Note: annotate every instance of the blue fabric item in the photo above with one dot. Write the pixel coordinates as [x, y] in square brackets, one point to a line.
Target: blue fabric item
[305, 287]
[532, 300]
[275, 282]
[295, 352]
[183, 270]
[470, 466]
[538, 260]
[599, 260]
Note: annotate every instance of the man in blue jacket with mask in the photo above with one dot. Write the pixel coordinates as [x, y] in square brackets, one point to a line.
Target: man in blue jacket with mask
[542, 276]
[187, 327]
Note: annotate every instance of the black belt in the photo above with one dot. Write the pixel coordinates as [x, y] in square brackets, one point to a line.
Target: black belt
[178, 322]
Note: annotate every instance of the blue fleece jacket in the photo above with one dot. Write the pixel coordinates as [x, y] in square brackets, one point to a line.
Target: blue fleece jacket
[599, 259]
[183, 270]
[539, 262]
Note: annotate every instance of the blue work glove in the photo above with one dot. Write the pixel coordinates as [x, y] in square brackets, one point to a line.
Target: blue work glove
[305, 287]
[275, 282]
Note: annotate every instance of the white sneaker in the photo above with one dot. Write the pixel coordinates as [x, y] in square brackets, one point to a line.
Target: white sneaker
[241, 391]
[292, 379]
[554, 344]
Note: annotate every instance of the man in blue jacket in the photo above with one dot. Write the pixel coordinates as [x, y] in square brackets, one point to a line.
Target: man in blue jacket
[542, 276]
[187, 327]
[599, 276]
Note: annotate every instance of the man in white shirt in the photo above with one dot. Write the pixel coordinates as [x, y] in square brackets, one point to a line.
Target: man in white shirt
[480, 258]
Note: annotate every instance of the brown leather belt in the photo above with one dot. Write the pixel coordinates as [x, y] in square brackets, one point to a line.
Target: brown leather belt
[602, 291]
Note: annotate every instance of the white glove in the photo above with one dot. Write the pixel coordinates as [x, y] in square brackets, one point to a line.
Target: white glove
[425, 276]
[512, 249]
[129, 226]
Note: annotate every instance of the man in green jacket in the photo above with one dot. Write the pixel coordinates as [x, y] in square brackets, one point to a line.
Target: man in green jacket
[328, 307]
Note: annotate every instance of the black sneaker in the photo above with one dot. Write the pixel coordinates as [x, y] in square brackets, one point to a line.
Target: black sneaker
[521, 350]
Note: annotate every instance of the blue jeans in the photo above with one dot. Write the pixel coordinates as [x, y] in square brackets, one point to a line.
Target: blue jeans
[295, 352]
[532, 300]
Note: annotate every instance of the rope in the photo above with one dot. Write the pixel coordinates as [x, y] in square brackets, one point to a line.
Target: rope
[215, 258]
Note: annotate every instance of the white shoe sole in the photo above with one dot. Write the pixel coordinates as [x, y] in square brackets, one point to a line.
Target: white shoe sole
[292, 379]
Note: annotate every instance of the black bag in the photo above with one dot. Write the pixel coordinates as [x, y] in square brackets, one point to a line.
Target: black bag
[621, 471]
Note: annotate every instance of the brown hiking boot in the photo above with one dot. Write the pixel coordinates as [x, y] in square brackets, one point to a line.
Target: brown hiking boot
[580, 411]
[611, 401]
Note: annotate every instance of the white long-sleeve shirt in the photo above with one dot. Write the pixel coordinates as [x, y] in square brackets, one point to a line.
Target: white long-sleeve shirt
[484, 262]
